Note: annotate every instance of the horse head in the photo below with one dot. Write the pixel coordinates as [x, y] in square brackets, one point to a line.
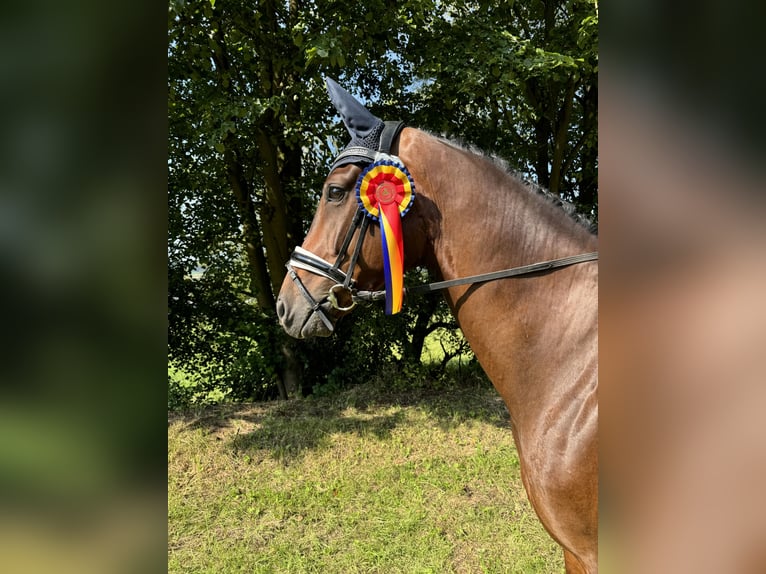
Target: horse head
[348, 249]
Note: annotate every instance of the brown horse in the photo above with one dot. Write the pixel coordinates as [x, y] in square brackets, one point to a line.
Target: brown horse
[535, 335]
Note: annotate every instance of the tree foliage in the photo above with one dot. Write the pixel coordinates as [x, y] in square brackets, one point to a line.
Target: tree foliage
[252, 133]
[519, 79]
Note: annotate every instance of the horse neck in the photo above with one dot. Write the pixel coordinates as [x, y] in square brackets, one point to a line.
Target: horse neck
[480, 220]
[483, 219]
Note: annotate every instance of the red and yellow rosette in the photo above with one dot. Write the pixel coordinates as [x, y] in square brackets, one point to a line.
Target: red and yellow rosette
[385, 190]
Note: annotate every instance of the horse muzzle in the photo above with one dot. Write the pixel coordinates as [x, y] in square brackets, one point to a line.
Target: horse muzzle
[319, 317]
[310, 315]
[302, 316]
[301, 321]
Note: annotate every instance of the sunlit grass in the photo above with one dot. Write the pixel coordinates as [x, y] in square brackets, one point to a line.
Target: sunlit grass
[368, 480]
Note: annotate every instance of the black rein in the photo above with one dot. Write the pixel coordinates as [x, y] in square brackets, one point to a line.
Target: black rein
[484, 277]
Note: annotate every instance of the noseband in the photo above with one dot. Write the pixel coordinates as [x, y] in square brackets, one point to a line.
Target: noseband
[342, 295]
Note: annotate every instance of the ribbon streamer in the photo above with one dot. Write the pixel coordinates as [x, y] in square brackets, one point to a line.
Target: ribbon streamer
[385, 190]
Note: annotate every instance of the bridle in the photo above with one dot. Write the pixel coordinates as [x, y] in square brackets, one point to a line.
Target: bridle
[343, 295]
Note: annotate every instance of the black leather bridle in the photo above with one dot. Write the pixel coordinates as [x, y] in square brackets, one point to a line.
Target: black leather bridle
[343, 295]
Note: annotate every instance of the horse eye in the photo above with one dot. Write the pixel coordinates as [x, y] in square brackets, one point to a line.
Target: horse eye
[335, 193]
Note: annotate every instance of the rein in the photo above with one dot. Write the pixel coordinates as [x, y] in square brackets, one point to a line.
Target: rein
[485, 277]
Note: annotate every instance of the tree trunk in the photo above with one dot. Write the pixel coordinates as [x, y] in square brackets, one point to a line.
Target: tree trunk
[273, 210]
[542, 158]
[589, 180]
[561, 138]
[542, 126]
[260, 284]
[291, 374]
[413, 349]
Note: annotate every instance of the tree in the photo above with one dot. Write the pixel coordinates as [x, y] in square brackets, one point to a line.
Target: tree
[230, 160]
[248, 119]
[521, 83]
[252, 133]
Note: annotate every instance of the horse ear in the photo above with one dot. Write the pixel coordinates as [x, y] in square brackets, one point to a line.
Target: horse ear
[360, 123]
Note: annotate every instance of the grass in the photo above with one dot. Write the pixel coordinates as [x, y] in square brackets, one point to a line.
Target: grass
[369, 480]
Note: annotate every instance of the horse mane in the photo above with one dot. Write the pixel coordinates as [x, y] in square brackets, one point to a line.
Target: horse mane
[532, 188]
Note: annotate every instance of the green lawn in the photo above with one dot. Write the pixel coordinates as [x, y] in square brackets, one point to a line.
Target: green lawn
[369, 480]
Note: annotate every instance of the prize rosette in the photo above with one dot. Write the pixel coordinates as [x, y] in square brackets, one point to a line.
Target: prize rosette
[385, 190]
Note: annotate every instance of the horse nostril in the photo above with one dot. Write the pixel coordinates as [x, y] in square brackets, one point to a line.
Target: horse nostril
[280, 308]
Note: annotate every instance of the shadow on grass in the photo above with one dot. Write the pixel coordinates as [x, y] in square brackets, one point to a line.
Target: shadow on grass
[286, 430]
